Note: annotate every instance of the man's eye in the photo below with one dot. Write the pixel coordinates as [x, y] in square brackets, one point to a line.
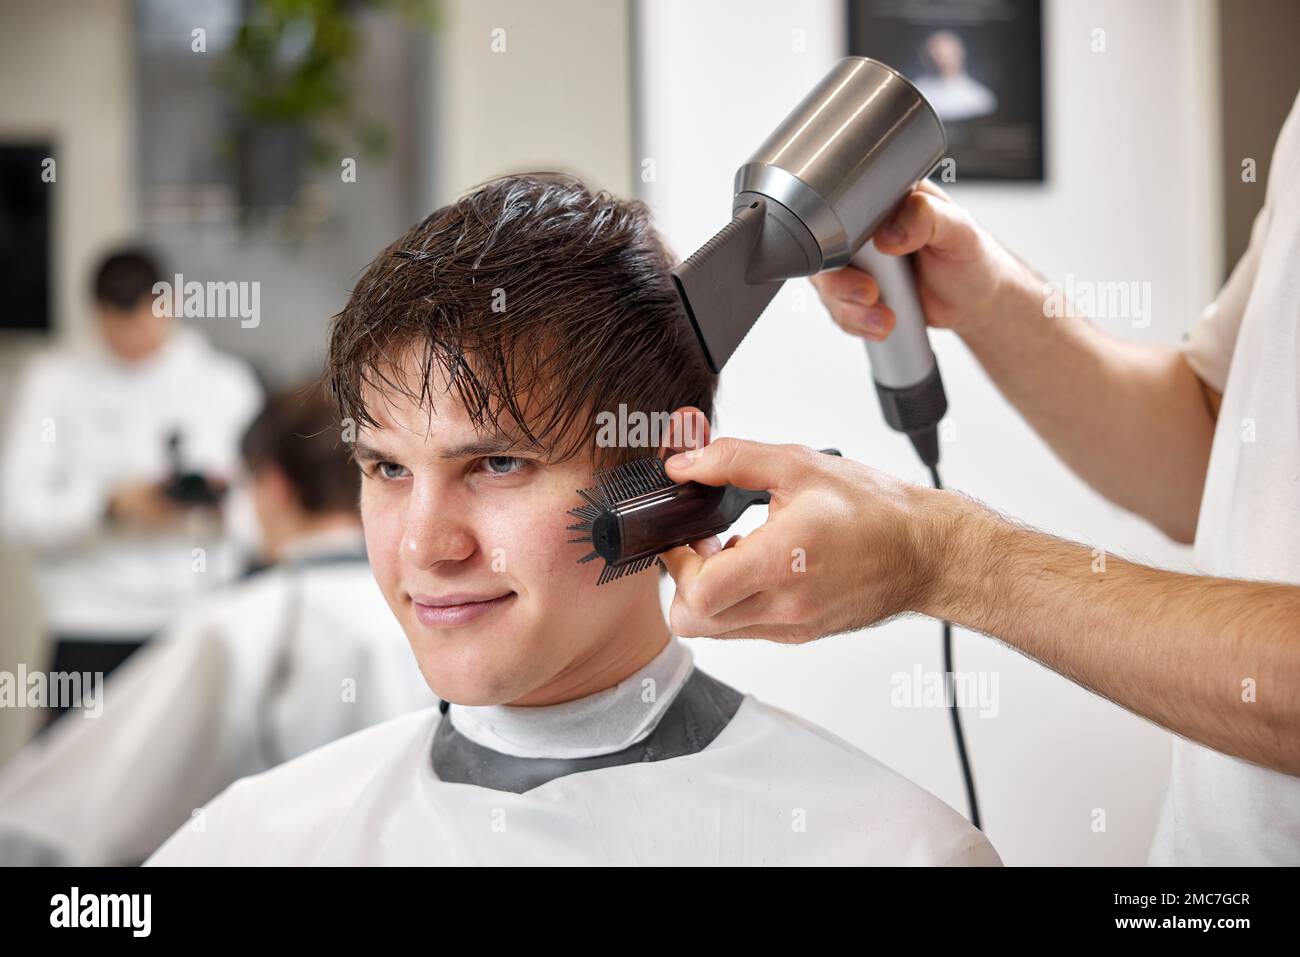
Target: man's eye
[504, 464]
[390, 470]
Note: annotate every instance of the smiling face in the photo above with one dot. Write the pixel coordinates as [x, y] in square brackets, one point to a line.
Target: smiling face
[467, 538]
[528, 307]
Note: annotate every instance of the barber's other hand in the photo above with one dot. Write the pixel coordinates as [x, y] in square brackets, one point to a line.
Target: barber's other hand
[844, 546]
[960, 269]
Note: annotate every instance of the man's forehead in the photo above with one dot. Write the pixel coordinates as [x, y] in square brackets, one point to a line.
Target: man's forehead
[409, 411]
[402, 395]
[405, 410]
[434, 431]
[441, 426]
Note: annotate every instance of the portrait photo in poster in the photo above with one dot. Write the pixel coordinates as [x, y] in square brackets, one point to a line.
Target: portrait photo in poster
[979, 63]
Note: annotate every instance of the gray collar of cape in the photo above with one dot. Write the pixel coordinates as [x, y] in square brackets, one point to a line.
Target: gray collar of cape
[702, 708]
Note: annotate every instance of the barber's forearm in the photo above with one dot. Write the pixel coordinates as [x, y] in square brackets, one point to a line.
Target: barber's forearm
[1214, 660]
[1130, 420]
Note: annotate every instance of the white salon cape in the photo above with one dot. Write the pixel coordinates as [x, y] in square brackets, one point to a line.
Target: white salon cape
[770, 789]
[84, 421]
[1219, 809]
[267, 669]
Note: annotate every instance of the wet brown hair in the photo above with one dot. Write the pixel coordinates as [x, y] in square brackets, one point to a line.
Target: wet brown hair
[544, 304]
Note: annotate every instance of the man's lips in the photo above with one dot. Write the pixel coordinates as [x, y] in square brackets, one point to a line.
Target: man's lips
[449, 611]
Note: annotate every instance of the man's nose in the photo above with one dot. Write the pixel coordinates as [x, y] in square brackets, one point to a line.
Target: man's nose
[436, 530]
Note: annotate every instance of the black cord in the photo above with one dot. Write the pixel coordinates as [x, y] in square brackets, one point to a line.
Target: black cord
[950, 676]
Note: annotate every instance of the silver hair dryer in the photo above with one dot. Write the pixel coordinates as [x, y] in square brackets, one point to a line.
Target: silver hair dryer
[809, 200]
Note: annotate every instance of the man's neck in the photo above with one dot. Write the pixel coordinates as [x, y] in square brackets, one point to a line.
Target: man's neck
[609, 722]
[638, 639]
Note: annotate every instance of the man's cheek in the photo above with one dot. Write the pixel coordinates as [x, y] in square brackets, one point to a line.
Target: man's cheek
[549, 563]
[383, 531]
[524, 536]
[560, 556]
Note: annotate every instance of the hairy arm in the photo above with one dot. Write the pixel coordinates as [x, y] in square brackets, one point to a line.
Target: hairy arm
[1133, 421]
[1214, 660]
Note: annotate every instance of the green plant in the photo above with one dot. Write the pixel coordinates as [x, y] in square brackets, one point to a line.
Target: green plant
[291, 65]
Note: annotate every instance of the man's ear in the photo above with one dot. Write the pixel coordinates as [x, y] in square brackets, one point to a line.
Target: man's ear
[688, 428]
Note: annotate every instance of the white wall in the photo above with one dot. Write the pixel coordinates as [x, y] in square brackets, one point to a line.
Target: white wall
[1127, 198]
[556, 97]
[65, 75]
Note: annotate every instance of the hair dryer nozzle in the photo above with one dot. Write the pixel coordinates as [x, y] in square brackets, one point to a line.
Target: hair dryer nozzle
[721, 302]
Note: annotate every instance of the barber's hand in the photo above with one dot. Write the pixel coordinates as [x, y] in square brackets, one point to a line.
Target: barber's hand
[844, 546]
[960, 269]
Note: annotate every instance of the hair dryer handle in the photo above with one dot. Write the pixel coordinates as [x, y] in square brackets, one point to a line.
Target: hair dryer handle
[907, 377]
[904, 358]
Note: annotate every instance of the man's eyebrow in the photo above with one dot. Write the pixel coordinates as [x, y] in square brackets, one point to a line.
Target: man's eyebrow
[365, 453]
[496, 445]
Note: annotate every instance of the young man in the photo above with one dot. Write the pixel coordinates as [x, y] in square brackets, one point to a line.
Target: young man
[269, 668]
[84, 484]
[474, 358]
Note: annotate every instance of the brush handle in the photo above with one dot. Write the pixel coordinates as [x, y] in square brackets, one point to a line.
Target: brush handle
[685, 513]
[680, 515]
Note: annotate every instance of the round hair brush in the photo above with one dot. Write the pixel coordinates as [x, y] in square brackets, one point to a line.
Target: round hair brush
[635, 512]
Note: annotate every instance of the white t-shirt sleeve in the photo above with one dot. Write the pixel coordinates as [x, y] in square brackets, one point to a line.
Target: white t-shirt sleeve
[1210, 343]
[1213, 338]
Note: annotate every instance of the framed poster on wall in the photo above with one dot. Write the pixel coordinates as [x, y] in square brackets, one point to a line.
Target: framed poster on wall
[979, 62]
[26, 213]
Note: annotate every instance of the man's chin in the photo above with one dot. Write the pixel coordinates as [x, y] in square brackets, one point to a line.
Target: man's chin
[471, 679]
[473, 694]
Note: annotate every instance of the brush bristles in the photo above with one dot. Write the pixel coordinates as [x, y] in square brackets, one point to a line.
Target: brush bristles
[613, 572]
[632, 479]
[613, 487]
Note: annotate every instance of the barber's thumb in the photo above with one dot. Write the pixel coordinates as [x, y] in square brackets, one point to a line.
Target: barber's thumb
[752, 465]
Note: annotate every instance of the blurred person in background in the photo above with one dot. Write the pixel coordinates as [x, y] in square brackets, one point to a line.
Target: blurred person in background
[116, 457]
[266, 669]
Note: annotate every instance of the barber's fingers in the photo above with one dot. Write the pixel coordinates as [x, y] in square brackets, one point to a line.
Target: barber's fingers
[746, 613]
[929, 186]
[850, 285]
[709, 546]
[774, 615]
[853, 299]
[708, 587]
[683, 563]
[752, 465]
[925, 219]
